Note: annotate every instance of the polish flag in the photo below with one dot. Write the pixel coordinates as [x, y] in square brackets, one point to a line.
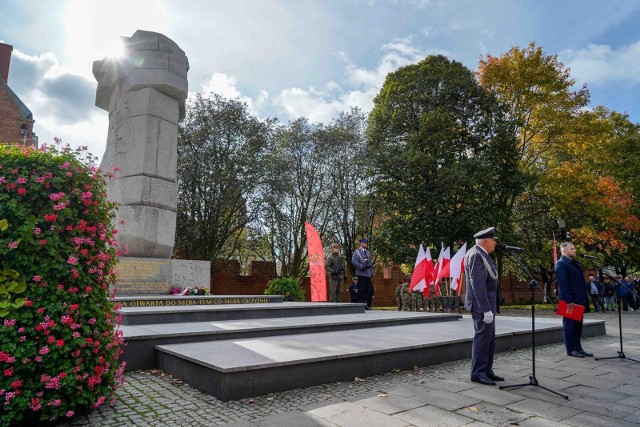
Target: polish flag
[443, 267]
[418, 278]
[428, 275]
[456, 266]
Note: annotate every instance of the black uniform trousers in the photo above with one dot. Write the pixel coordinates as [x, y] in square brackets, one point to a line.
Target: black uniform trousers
[484, 343]
[364, 283]
[572, 330]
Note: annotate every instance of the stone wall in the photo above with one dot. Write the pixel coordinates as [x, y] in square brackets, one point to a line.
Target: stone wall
[227, 280]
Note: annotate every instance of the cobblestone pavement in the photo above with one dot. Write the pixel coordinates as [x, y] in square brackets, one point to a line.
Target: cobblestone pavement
[152, 398]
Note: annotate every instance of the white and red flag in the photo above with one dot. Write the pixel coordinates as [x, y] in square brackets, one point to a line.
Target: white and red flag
[456, 267]
[422, 272]
[419, 269]
[443, 263]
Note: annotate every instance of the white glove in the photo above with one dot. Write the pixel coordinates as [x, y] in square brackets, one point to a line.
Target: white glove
[488, 317]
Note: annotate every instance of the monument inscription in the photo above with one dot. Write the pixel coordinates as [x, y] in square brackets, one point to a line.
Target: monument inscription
[143, 276]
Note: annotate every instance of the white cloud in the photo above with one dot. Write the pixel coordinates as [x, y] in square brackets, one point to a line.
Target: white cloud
[323, 105]
[62, 103]
[226, 86]
[599, 64]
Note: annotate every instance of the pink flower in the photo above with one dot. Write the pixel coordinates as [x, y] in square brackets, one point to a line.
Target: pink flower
[69, 174]
[37, 231]
[22, 191]
[37, 278]
[12, 322]
[35, 404]
[72, 261]
[51, 217]
[44, 350]
[38, 359]
[65, 165]
[69, 414]
[12, 245]
[43, 242]
[59, 206]
[21, 180]
[56, 402]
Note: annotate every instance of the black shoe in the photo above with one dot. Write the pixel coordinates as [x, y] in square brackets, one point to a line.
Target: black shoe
[494, 377]
[585, 353]
[576, 354]
[483, 380]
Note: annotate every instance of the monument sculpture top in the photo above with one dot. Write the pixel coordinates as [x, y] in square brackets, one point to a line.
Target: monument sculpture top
[144, 92]
[150, 60]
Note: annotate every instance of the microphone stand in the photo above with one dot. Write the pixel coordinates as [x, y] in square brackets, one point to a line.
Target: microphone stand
[616, 289]
[533, 284]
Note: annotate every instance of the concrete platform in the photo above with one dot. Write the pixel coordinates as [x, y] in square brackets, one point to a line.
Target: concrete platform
[141, 340]
[235, 369]
[210, 313]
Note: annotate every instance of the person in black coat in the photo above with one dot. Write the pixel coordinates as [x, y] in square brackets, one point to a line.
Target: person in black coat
[572, 290]
[481, 299]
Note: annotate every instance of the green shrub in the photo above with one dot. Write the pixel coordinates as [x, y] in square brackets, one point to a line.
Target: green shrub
[60, 340]
[286, 286]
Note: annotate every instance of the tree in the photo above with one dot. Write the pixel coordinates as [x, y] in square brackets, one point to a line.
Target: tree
[444, 156]
[351, 202]
[571, 155]
[222, 150]
[297, 192]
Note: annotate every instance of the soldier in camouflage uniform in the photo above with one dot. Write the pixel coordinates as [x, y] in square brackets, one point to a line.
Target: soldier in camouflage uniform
[399, 292]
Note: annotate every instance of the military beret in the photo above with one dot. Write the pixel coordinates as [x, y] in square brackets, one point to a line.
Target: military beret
[486, 234]
[363, 240]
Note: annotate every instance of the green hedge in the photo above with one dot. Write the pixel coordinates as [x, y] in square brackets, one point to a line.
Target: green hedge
[289, 287]
[60, 340]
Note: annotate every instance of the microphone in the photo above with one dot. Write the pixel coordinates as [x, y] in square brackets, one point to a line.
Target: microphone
[510, 248]
[588, 256]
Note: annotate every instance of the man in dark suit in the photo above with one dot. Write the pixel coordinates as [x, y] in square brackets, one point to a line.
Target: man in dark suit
[572, 290]
[481, 277]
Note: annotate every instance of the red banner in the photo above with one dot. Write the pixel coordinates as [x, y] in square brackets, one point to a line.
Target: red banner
[316, 264]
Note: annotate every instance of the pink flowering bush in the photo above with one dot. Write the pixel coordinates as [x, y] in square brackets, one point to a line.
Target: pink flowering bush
[59, 348]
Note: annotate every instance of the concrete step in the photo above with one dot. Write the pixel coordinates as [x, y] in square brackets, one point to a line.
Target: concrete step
[236, 369]
[140, 340]
[188, 300]
[210, 313]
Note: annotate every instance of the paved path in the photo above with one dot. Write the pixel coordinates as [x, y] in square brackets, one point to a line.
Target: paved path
[601, 393]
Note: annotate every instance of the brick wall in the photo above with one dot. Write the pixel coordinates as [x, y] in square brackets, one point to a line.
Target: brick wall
[10, 120]
[226, 280]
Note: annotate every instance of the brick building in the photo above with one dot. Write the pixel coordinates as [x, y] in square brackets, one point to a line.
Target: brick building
[16, 120]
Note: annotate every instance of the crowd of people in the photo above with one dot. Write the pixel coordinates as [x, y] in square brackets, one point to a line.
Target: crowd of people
[605, 295]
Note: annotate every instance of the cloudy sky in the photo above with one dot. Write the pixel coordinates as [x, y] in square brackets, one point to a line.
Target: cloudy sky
[311, 58]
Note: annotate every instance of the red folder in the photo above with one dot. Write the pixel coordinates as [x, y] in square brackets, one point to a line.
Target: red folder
[575, 313]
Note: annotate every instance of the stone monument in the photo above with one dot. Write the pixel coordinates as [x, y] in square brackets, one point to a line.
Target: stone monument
[144, 92]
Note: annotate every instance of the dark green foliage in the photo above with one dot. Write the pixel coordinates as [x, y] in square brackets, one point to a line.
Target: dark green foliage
[289, 287]
[443, 155]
